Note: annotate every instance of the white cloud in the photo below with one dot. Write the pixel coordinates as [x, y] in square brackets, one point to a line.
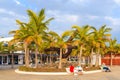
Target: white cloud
[2, 10]
[8, 21]
[92, 17]
[117, 1]
[78, 1]
[11, 13]
[67, 18]
[60, 17]
[114, 21]
[20, 3]
[17, 2]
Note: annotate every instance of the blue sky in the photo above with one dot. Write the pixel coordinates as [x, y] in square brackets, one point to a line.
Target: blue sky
[66, 13]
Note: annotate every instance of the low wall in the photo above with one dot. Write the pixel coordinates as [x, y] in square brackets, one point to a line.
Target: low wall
[107, 58]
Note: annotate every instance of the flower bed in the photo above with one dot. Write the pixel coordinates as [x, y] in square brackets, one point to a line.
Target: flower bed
[52, 69]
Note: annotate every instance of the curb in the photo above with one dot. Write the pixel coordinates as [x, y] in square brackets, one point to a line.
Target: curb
[41, 73]
[54, 73]
[90, 72]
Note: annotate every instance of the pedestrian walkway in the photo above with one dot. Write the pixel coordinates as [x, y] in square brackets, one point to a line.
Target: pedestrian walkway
[6, 66]
[10, 74]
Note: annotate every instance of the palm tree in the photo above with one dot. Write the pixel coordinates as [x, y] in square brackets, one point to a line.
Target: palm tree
[38, 26]
[81, 37]
[52, 41]
[112, 49]
[22, 35]
[33, 31]
[100, 39]
[91, 46]
[11, 50]
[61, 43]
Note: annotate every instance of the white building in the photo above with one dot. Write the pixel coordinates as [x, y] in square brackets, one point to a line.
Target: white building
[6, 58]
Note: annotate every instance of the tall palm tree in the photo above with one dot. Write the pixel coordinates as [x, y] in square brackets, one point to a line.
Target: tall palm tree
[11, 50]
[100, 38]
[33, 31]
[52, 41]
[22, 35]
[91, 46]
[81, 37]
[62, 44]
[38, 27]
[112, 49]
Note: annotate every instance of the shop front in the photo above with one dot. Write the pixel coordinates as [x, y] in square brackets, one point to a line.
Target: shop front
[7, 59]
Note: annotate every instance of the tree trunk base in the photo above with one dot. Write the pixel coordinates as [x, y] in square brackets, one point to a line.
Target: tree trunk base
[64, 60]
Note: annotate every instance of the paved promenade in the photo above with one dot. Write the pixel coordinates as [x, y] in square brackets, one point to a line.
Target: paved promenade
[9, 74]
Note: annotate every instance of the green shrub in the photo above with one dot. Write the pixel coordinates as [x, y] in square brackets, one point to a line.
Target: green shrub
[24, 68]
[52, 69]
[43, 69]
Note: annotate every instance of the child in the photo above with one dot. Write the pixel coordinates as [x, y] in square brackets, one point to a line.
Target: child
[79, 70]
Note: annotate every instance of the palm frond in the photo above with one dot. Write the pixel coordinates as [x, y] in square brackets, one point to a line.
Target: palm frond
[48, 21]
[33, 16]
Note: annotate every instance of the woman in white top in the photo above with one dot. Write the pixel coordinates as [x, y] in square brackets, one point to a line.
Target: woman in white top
[78, 70]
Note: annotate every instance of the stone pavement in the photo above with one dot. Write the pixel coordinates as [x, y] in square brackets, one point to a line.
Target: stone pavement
[6, 66]
[9, 74]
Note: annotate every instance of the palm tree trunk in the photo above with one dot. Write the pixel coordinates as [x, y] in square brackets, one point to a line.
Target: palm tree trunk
[26, 55]
[97, 58]
[36, 57]
[47, 61]
[111, 59]
[88, 59]
[80, 55]
[91, 58]
[41, 59]
[60, 59]
[12, 66]
[50, 59]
